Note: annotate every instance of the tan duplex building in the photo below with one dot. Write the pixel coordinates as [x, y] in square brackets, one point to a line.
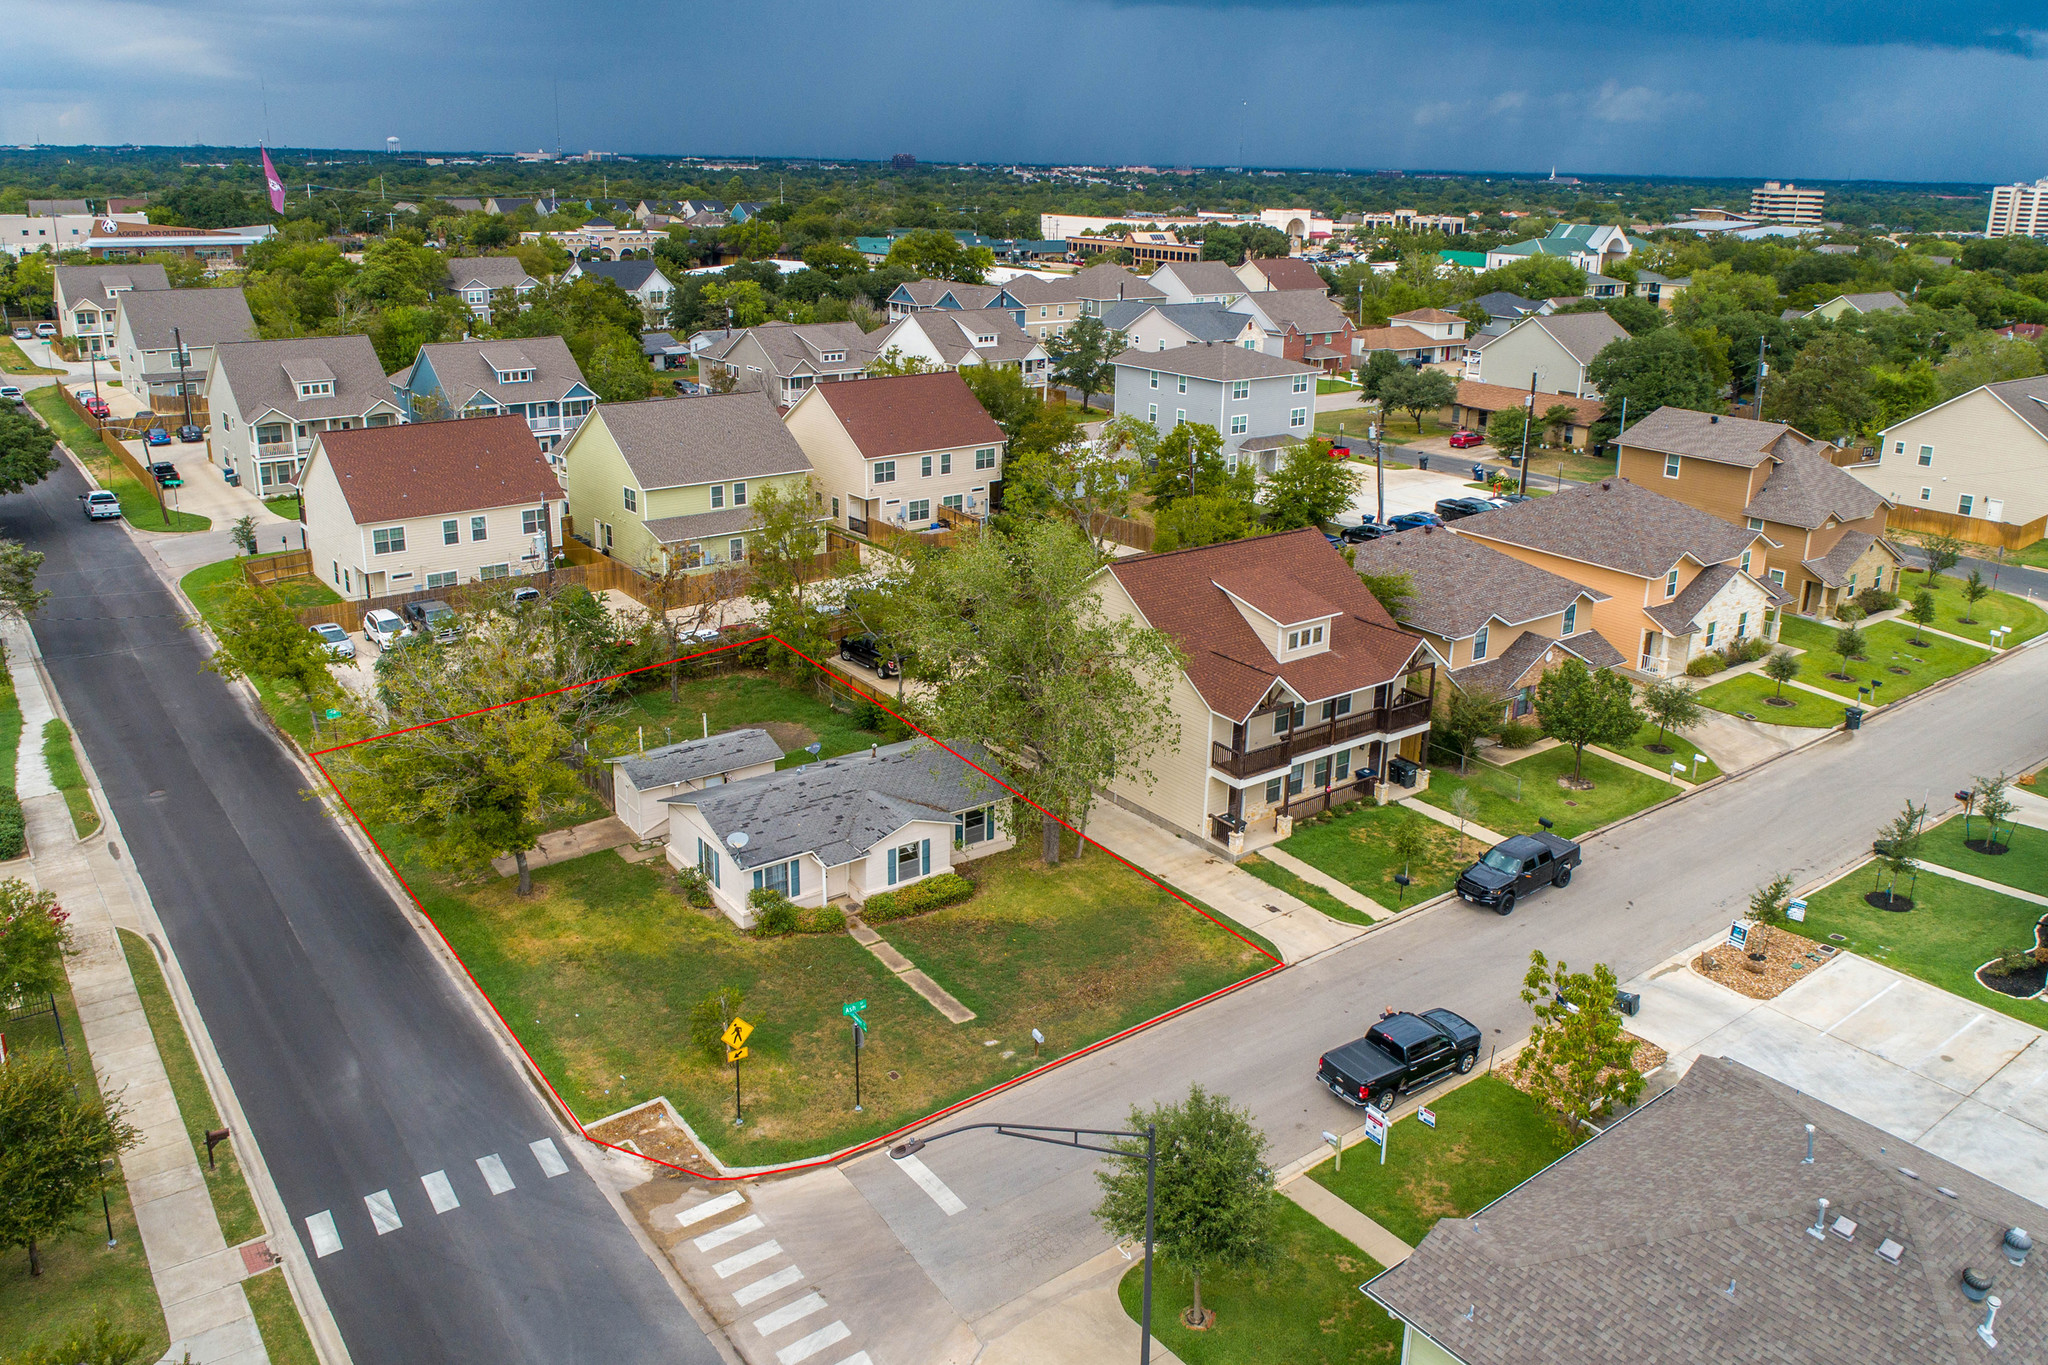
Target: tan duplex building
[1296, 689]
[896, 450]
[1980, 457]
[1827, 530]
[1678, 581]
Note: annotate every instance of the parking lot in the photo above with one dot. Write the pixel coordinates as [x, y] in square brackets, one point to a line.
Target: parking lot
[1408, 490]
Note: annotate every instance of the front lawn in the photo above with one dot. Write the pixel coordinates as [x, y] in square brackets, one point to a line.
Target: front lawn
[14, 361]
[1617, 791]
[1354, 847]
[211, 586]
[1303, 1307]
[1335, 386]
[1952, 929]
[598, 971]
[1890, 657]
[138, 501]
[1682, 750]
[1752, 693]
[2034, 556]
[2025, 865]
[1489, 1137]
[286, 507]
[2026, 618]
[1280, 879]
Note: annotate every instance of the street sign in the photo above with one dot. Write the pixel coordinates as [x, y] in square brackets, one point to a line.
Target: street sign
[1738, 934]
[1427, 1115]
[1796, 912]
[735, 1039]
[853, 1011]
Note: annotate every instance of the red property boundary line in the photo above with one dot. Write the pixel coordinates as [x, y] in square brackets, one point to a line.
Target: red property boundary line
[862, 693]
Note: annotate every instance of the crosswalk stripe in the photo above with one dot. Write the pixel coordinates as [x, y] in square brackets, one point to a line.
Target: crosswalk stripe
[731, 1199]
[383, 1213]
[495, 1174]
[927, 1180]
[440, 1193]
[551, 1163]
[796, 1311]
[752, 1256]
[761, 1289]
[731, 1232]
[857, 1358]
[320, 1227]
[817, 1341]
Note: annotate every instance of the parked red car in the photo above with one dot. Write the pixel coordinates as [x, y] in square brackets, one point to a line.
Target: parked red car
[1462, 439]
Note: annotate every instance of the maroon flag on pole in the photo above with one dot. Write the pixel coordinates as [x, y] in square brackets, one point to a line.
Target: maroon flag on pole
[276, 185]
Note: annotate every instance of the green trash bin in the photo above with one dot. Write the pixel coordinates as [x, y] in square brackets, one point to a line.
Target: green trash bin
[1852, 717]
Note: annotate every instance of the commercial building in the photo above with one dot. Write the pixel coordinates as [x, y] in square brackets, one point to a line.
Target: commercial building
[2019, 210]
[1785, 202]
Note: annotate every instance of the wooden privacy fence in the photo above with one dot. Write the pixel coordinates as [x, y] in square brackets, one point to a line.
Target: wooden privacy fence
[1122, 530]
[1977, 530]
[113, 445]
[265, 570]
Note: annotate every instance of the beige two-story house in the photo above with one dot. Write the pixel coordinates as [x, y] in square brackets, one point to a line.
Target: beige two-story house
[269, 400]
[1677, 581]
[1296, 689]
[88, 300]
[1981, 457]
[1827, 530]
[152, 325]
[896, 450]
[672, 481]
[417, 508]
[1557, 350]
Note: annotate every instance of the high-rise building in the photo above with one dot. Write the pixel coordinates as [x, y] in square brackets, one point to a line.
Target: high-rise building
[2018, 211]
[1786, 203]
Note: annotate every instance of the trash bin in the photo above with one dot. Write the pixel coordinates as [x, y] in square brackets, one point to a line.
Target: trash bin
[1401, 772]
[1852, 717]
[1422, 462]
[1479, 473]
[1627, 1002]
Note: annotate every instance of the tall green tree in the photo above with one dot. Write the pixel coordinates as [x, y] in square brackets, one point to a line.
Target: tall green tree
[1781, 666]
[1204, 519]
[1673, 704]
[1578, 1062]
[1579, 707]
[1213, 1197]
[1827, 392]
[1898, 844]
[1660, 368]
[1021, 655]
[1308, 489]
[782, 546]
[1082, 356]
[1423, 392]
[1921, 614]
[25, 451]
[20, 598]
[934, 255]
[619, 372]
[54, 1135]
[1188, 462]
[1974, 590]
[35, 938]
[260, 638]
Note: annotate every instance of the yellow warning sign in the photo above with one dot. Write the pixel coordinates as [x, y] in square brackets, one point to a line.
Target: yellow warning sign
[735, 1039]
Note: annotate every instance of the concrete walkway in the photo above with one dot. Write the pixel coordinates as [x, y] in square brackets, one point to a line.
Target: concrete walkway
[2028, 808]
[565, 845]
[1347, 1222]
[2000, 887]
[31, 769]
[1473, 830]
[1736, 744]
[1308, 872]
[198, 1276]
[1297, 930]
[933, 994]
[1625, 761]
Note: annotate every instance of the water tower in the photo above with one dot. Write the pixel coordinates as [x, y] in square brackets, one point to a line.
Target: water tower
[391, 146]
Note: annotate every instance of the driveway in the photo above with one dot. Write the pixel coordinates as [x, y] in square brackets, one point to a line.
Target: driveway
[1939, 1071]
[1408, 490]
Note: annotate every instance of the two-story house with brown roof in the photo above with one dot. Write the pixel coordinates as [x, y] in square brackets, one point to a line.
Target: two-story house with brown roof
[1296, 689]
[896, 450]
[1678, 581]
[1827, 527]
[1499, 624]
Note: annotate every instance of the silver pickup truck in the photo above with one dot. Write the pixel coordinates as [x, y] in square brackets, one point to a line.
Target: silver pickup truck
[100, 505]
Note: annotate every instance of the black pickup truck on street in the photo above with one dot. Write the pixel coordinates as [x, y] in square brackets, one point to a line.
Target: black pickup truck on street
[1400, 1054]
[1514, 867]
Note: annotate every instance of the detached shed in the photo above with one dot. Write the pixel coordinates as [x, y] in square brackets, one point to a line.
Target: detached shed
[642, 782]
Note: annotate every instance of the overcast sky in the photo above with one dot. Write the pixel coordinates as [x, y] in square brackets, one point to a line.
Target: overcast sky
[1879, 89]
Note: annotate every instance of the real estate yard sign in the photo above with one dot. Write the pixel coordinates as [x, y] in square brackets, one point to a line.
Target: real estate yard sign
[1376, 1130]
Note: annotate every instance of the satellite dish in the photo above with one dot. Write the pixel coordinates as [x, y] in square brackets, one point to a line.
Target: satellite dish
[738, 838]
[812, 748]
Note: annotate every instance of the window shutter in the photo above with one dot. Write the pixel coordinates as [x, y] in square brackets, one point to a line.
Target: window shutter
[924, 857]
[892, 867]
[796, 879]
[960, 828]
[757, 879]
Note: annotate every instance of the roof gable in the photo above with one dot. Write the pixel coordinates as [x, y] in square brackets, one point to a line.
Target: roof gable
[428, 469]
[909, 414]
[675, 442]
[1615, 524]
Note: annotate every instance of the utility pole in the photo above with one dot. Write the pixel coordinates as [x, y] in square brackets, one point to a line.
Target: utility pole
[1618, 435]
[1528, 417]
[1761, 370]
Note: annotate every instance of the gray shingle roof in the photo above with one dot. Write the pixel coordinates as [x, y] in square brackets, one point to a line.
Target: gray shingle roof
[1807, 488]
[800, 348]
[954, 333]
[1626, 1249]
[264, 376]
[462, 368]
[1501, 304]
[680, 530]
[1204, 277]
[670, 442]
[1305, 310]
[488, 272]
[841, 808]
[1883, 301]
[2027, 397]
[1833, 567]
[628, 275]
[1104, 283]
[1680, 616]
[928, 293]
[1203, 321]
[1213, 360]
[1614, 523]
[1461, 584]
[79, 283]
[203, 317]
[1583, 335]
[695, 758]
[1711, 436]
[1525, 651]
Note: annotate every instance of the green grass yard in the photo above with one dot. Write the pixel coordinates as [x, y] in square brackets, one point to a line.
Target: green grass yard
[1754, 693]
[211, 586]
[13, 361]
[1302, 1307]
[65, 771]
[139, 504]
[1682, 750]
[1353, 846]
[2025, 866]
[1890, 657]
[597, 972]
[2034, 556]
[1489, 1137]
[1953, 929]
[1617, 791]
[1280, 879]
[794, 716]
[2026, 618]
[286, 507]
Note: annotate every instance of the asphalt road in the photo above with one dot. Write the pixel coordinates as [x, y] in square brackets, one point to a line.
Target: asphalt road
[1647, 890]
[2013, 578]
[360, 1067]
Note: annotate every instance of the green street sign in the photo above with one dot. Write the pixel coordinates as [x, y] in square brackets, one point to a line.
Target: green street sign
[853, 1011]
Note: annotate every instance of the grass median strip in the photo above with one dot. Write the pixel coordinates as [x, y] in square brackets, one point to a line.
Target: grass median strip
[1891, 658]
[65, 771]
[1279, 878]
[139, 503]
[1617, 791]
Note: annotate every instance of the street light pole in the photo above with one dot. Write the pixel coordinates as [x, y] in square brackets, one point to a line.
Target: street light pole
[1031, 1132]
[1528, 416]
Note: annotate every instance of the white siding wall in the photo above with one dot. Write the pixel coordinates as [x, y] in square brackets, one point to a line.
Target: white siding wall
[1980, 449]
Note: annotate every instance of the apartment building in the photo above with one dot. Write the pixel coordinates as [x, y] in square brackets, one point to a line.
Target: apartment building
[2018, 210]
[1784, 202]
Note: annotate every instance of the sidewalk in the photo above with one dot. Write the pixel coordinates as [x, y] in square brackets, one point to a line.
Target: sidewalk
[198, 1276]
[1315, 876]
[1296, 929]
[1473, 830]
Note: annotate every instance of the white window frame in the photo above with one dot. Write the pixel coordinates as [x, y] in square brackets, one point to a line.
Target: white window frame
[739, 493]
[1300, 382]
[1926, 458]
[451, 532]
[985, 458]
[387, 540]
[631, 499]
[1571, 620]
[1964, 503]
[1479, 642]
[1297, 417]
[479, 528]
[1240, 389]
[1670, 585]
[1239, 424]
[884, 471]
[1670, 466]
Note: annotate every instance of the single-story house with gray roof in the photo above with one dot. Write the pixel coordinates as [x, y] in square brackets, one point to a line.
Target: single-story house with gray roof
[842, 829]
[643, 782]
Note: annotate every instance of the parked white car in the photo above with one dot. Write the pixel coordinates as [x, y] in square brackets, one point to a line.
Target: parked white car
[339, 646]
[9, 393]
[384, 628]
[46, 329]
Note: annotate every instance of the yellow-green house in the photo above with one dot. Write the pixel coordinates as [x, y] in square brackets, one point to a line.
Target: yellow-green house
[673, 480]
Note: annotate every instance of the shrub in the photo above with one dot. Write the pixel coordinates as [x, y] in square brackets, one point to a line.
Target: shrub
[1518, 734]
[2014, 962]
[694, 886]
[1754, 648]
[823, 919]
[1876, 599]
[13, 827]
[933, 893]
[1705, 665]
[774, 913]
[709, 1018]
[1850, 612]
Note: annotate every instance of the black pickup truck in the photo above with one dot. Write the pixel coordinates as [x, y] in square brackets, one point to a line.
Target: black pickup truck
[1514, 867]
[1399, 1054]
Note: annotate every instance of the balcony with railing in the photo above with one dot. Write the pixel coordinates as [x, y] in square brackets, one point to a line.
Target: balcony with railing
[1405, 712]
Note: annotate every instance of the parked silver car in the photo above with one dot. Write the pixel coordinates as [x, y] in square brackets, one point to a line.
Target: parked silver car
[339, 646]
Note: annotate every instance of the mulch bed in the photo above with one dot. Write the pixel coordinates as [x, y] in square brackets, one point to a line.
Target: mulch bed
[1986, 846]
[1648, 1057]
[1788, 959]
[1877, 900]
[1780, 701]
[2020, 985]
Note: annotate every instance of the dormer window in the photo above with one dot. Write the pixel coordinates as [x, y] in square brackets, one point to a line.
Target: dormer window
[514, 376]
[1306, 638]
[832, 357]
[320, 388]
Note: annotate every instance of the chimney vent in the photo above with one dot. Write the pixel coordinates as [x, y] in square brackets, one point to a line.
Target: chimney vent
[2017, 1245]
[1820, 1223]
[1890, 1250]
[1809, 1146]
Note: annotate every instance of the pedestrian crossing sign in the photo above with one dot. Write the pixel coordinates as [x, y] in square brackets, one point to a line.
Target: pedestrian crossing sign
[735, 1039]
